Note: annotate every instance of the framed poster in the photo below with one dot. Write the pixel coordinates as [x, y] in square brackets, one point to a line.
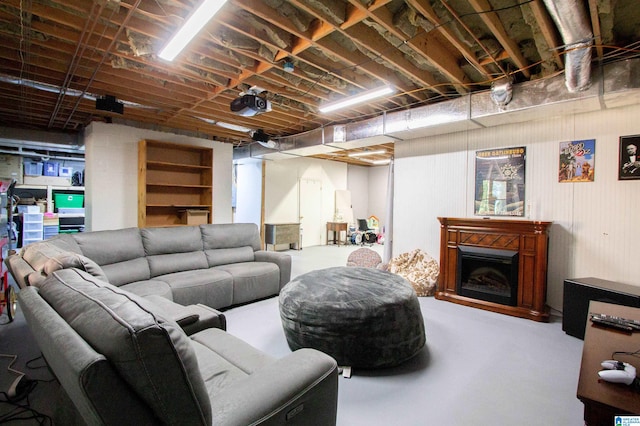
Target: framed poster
[629, 166]
[577, 161]
[500, 182]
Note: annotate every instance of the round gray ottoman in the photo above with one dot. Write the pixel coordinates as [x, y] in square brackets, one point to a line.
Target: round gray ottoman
[363, 317]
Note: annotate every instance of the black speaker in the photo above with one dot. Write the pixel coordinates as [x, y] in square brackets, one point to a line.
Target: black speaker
[109, 103]
[578, 292]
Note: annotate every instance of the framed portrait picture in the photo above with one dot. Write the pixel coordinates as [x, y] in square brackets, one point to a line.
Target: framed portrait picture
[577, 161]
[629, 165]
[500, 182]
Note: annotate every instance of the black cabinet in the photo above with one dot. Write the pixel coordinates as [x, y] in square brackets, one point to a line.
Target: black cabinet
[579, 291]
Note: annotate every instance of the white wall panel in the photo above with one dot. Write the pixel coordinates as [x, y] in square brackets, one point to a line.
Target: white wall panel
[282, 190]
[249, 191]
[594, 227]
[358, 184]
[378, 182]
[111, 174]
[427, 186]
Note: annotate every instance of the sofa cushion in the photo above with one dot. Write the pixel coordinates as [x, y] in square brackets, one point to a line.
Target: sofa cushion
[230, 255]
[162, 264]
[152, 354]
[181, 239]
[228, 235]
[226, 359]
[253, 280]
[127, 271]
[210, 287]
[119, 252]
[146, 288]
[113, 246]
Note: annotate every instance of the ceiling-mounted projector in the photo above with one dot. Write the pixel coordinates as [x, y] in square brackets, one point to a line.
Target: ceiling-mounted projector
[263, 139]
[109, 103]
[250, 105]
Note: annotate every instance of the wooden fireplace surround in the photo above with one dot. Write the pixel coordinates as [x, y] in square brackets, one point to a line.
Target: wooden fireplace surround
[528, 238]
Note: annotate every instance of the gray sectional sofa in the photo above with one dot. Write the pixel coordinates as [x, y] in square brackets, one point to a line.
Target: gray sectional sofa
[121, 361]
[218, 265]
[133, 314]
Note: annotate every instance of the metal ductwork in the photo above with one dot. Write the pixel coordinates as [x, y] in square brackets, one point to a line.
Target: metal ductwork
[573, 23]
[616, 85]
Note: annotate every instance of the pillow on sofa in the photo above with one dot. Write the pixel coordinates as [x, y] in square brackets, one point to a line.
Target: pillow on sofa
[152, 354]
[73, 260]
[37, 254]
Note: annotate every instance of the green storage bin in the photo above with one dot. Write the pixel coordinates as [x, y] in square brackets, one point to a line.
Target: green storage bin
[67, 201]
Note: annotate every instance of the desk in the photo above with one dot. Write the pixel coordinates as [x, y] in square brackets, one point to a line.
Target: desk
[282, 233]
[337, 228]
[603, 400]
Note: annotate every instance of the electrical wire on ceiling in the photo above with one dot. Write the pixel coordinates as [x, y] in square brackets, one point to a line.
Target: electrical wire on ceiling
[412, 38]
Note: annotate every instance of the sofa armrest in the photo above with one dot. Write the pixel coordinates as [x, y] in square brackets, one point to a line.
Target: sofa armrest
[299, 389]
[283, 261]
[19, 269]
[191, 318]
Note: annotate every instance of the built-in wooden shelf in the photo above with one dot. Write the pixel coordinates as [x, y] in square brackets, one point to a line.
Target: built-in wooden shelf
[528, 238]
[171, 179]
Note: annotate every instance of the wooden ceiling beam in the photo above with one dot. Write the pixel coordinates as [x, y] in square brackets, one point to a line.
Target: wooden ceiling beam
[595, 25]
[492, 21]
[373, 42]
[426, 10]
[424, 44]
[548, 30]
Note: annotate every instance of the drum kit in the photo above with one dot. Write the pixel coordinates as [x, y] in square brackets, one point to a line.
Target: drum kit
[361, 238]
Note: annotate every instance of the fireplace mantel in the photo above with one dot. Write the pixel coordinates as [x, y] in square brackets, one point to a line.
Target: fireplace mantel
[528, 238]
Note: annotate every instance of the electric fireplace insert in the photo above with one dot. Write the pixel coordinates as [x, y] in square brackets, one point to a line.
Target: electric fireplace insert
[488, 274]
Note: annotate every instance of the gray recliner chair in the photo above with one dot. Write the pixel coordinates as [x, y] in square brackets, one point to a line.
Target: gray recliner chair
[121, 362]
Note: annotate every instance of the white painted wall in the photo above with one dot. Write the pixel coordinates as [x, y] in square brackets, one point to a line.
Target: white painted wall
[594, 224]
[378, 182]
[282, 190]
[358, 185]
[248, 191]
[111, 174]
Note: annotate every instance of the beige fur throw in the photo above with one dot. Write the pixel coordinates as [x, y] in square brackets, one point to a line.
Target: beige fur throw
[420, 269]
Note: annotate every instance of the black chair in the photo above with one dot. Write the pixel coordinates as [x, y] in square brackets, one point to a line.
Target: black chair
[367, 235]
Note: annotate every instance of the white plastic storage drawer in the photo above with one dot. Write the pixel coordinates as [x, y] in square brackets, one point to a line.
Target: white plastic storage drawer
[32, 217]
[31, 226]
[32, 235]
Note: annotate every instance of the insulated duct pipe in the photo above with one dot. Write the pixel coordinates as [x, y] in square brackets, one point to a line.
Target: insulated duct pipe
[573, 23]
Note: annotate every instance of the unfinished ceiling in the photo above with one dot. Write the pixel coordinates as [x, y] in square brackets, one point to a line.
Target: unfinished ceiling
[58, 56]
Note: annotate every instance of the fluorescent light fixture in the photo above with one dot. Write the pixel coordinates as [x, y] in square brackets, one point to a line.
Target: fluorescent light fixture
[364, 153]
[380, 162]
[194, 24]
[356, 99]
[236, 127]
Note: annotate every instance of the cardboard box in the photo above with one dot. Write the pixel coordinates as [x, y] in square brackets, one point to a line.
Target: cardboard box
[11, 167]
[47, 180]
[195, 217]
